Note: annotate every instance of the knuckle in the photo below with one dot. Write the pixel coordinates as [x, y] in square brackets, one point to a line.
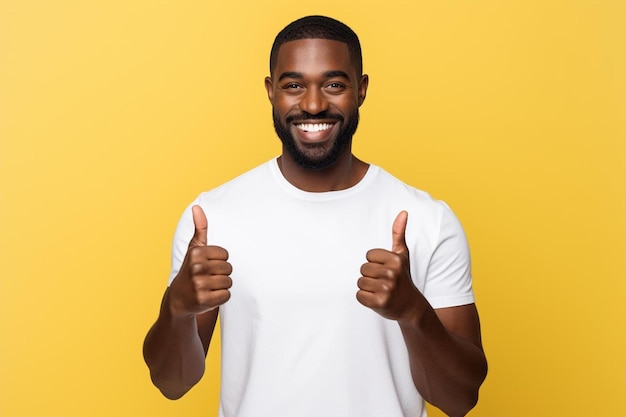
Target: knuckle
[194, 252]
[387, 288]
[197, 282]
[396, 261]
[382, 301]
[196, 268]
[389, 274]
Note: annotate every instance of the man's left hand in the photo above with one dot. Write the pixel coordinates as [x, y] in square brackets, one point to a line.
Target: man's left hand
[386, 285]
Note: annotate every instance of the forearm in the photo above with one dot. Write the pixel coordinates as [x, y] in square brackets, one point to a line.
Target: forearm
[174, 352]
[447, 370]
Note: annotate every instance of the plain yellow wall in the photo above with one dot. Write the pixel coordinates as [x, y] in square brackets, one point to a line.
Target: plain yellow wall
[114, 115]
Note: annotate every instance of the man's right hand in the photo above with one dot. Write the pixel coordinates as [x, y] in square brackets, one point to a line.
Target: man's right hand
[203, 280]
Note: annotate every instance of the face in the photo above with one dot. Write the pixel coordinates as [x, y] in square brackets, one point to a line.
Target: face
[315, 93]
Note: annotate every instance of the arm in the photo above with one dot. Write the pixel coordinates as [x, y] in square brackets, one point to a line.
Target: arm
[175, 347]
[444, 345]
[448, 364]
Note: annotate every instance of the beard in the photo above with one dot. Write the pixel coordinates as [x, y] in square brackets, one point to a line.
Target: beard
[316, 156]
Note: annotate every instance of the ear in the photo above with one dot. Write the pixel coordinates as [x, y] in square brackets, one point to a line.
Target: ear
[269, 87]
[363, 88]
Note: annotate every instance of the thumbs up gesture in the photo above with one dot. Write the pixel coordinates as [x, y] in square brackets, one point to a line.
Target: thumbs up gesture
[203, 281]
[386, 285]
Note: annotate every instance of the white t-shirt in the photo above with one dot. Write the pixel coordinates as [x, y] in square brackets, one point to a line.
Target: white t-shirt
[295, 340]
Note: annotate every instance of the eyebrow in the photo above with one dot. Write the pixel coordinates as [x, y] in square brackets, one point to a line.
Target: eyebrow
[327, 74]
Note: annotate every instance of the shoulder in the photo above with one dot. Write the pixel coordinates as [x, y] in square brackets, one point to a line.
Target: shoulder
[430, 219]
[245, 185]
[413, 198]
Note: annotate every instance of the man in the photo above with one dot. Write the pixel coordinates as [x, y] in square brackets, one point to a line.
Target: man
[282, 250]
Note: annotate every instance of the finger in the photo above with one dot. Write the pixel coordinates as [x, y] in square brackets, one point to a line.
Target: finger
[197, 254]
[200, 224]
[379, 256]
[369, 284]
[376, 270]
[398, 232]
[211, 267]
[212, 282]
[367, 298]
[214, 298]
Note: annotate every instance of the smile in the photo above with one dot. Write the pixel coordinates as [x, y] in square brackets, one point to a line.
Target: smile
[314, 127]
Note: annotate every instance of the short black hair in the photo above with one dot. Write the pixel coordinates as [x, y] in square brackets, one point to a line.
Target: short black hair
[319, 27]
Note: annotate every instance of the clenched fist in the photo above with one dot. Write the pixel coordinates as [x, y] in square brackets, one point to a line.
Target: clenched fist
[203, 281]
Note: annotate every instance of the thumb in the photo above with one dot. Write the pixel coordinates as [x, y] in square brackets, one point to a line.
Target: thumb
[200, 224]
[398, 231]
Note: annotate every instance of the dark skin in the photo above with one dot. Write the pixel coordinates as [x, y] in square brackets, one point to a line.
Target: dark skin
[445, 351]
[312, 78]
[447, 361]
[176, 346]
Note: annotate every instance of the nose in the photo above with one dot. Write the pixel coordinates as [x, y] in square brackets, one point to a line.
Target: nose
[313, 101]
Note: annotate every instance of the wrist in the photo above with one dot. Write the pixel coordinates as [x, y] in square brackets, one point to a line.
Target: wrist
[174, 310]
[415, 312]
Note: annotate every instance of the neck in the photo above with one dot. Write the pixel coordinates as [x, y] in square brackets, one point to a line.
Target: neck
[346, 173]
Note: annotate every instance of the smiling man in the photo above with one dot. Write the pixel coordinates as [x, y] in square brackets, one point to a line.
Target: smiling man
[341, 290]
[315, 109]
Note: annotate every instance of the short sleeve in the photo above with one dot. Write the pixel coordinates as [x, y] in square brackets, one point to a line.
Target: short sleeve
[449, 274]
[182, 237]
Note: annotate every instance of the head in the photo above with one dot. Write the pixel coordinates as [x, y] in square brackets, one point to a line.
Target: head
[319, 27]
[316, 87]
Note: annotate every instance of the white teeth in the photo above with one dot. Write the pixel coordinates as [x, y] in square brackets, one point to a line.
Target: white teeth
[317, 127]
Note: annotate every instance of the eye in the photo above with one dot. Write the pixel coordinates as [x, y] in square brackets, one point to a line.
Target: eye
[292, 88]
[335, 86]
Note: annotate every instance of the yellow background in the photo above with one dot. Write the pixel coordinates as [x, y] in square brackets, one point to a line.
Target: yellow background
[114, 115]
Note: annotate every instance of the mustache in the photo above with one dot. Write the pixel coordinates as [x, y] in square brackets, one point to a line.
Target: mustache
[325, 115]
